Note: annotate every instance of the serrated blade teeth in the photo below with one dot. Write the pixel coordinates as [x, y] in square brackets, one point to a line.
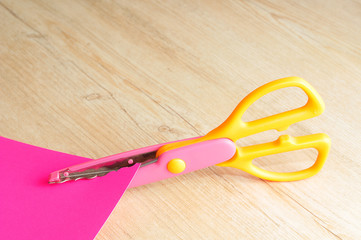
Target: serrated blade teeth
[101, 167]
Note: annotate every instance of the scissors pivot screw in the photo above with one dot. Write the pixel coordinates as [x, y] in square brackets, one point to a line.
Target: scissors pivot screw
[176, 165]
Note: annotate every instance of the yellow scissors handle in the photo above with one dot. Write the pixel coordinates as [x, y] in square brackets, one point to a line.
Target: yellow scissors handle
[235, 128]
[285, 143]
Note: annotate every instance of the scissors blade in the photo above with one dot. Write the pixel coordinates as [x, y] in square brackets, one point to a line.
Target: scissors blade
[101, 167]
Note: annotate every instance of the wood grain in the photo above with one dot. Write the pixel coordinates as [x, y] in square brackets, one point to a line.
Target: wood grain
[94, 78]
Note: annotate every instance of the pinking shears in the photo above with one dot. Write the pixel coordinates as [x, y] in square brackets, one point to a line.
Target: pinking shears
[218, 147]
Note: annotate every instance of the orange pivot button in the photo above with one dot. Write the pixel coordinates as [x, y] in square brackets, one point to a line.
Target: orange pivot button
[176, 166]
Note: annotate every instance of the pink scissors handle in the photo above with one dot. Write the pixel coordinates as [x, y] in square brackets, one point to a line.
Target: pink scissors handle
[194, 157]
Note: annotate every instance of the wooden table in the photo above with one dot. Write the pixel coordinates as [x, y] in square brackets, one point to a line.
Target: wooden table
[95, 78]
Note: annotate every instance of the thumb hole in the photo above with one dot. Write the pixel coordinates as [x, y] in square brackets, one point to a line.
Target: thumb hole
[275, 102]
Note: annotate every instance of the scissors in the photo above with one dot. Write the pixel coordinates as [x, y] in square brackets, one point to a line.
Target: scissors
[218, 147]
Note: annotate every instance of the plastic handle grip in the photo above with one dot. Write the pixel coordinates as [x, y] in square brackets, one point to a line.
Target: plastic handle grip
[245, 155]
[234, 128]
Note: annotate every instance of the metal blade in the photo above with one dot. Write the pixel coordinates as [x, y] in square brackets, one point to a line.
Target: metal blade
[105, 168]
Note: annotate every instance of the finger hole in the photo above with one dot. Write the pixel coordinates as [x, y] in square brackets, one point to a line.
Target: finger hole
[292, 161]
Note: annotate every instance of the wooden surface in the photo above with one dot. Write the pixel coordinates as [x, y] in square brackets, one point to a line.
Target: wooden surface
[94, 78]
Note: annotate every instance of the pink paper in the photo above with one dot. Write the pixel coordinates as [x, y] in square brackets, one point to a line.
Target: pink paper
[30, 208]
